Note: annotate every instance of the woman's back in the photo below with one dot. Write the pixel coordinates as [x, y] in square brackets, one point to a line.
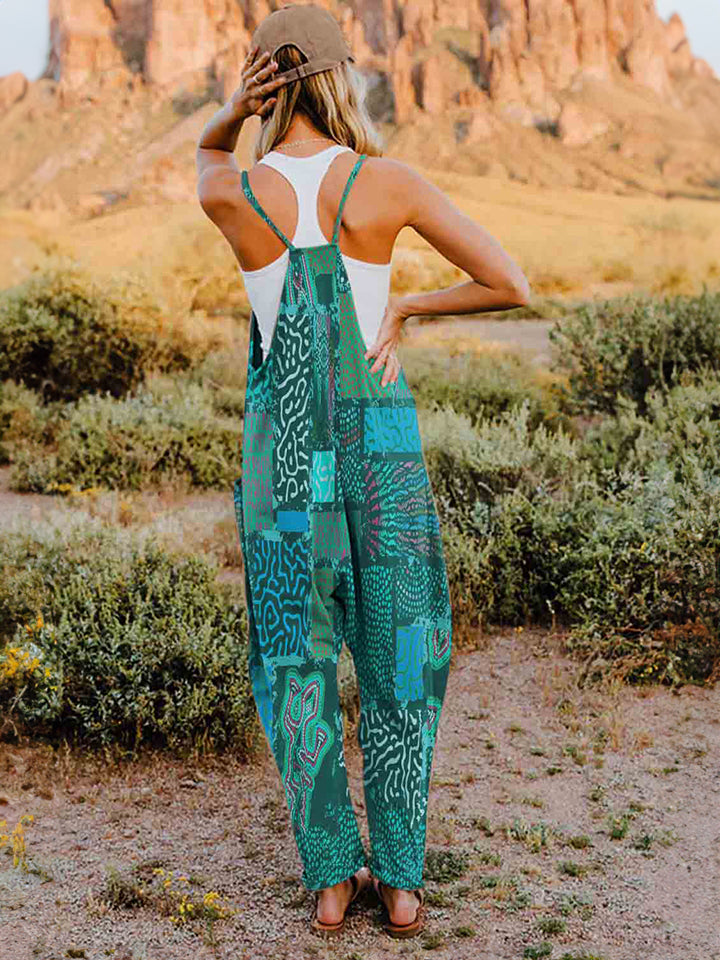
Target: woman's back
[370, 281]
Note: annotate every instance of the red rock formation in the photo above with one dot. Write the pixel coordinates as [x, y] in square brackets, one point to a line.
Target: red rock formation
[13, 87]
[434, 54]
[188, 39]
[82, 45]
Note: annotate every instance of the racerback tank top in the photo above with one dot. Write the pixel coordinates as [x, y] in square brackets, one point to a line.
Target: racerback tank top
[370, 282]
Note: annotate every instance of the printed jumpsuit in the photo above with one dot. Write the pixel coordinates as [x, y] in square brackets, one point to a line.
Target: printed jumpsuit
[341, 542]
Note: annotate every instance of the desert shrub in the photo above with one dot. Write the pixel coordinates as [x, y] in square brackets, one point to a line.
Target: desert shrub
[533, 532]
[468, 582]
[140, 441]
[643, 590]
[528, 546]
[24, 418]
[627, 346]
[114, 643]
[680, 433]
[625, 570]
[480, 386]
[486, 480]
[469, 464]
[223, 372]
[65, 334]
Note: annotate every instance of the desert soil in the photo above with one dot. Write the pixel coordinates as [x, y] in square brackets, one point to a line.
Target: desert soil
[527, 762]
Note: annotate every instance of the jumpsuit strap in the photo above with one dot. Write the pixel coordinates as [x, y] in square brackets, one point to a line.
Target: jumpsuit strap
[247, 190]
[351, 180]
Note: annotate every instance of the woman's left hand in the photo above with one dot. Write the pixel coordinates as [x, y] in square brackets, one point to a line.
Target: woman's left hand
[387, 340]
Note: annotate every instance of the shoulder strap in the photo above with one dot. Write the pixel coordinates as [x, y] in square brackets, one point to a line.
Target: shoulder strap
[351, 180]
[247, 190]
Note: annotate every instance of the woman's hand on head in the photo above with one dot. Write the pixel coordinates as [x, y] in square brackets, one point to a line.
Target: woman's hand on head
[253, 94]
[387, 340]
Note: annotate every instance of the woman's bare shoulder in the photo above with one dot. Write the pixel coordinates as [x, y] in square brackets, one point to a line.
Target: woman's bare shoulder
[403, 187]
[396, 171]
[400, 185]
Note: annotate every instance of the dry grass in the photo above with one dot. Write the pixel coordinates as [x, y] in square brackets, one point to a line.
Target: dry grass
[184, 523]
[568, 241]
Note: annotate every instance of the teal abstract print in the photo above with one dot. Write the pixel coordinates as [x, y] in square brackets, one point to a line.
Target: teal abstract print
[341, 544]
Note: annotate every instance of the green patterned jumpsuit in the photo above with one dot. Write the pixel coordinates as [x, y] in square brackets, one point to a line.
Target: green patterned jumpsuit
[341, 541]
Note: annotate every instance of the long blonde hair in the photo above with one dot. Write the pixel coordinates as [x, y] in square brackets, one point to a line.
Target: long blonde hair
[333, 101]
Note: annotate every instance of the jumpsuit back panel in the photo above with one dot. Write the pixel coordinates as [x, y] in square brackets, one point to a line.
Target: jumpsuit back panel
[341, 543]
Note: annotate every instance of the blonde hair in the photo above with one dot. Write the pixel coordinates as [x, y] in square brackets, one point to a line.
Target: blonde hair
[333, 101]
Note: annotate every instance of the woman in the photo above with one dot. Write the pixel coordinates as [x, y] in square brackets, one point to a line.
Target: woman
[337, 520]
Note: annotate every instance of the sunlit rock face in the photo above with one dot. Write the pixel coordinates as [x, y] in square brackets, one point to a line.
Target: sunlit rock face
[13, 87]
[423, 55]
[82, 41]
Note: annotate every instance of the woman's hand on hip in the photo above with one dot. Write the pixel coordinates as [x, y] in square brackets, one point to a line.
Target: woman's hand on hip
[253, 95]
[387, 340]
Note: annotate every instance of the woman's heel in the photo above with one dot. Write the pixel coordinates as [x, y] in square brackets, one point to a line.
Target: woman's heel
[402, 931]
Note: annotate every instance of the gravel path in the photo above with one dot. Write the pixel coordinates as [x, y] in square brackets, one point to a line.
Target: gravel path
[528, 773]
[530, 337]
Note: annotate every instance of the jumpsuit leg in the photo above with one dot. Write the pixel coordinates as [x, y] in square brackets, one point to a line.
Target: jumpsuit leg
[397, 734]
[294, 682]
[369, 571]
[400, 631]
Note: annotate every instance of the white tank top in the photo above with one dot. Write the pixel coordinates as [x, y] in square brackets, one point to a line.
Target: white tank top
[369, 282]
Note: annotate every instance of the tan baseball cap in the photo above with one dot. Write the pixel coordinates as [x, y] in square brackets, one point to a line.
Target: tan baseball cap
[312, 30]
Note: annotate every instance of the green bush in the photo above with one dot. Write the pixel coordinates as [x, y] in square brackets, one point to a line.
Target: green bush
[643, 588]
[534, 533]
[486, 481]
[223, 372]
[65, 334]
[24, 419]
[634, 574]
[118, 644]
[679, 433]
[627, 346]
[469, 583]
[470, 464]
[134, 443]
[482, 387]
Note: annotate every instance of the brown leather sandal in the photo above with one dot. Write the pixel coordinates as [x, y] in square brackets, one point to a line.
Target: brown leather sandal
[360, 881]
[402, 931]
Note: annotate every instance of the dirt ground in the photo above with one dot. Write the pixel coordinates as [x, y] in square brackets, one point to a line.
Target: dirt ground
[532, 776]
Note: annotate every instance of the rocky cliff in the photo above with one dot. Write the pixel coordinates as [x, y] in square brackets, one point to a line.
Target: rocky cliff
[422, 54]
[481, 86]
